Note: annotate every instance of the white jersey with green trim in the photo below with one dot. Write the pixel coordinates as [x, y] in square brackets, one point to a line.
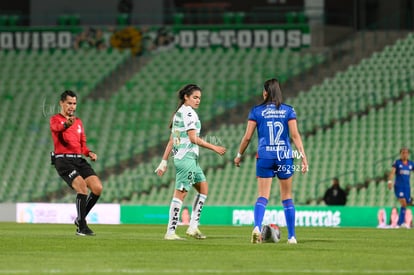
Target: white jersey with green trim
[185, 119]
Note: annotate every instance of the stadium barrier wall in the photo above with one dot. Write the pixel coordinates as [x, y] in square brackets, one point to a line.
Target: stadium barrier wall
[306, 216]
[7, 212]
[103, 213]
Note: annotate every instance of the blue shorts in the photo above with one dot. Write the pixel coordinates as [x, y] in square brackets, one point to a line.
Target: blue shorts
[269, 168]
[402, 192]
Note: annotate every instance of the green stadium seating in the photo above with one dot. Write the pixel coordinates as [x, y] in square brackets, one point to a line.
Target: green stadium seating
[134, 119]
[360, 130]
[30, 84]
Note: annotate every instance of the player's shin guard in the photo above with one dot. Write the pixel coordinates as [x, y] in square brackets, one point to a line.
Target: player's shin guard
[81, 208]
[174, 216]
[198, 204]
[401, 217]
[289, 209]
[259, 211]
[90, 202]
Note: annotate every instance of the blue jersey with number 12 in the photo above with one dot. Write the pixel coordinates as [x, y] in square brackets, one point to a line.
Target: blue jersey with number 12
[272, 130]
[402, 172]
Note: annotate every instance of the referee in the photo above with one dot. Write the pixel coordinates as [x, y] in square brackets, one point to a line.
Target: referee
[69, 145]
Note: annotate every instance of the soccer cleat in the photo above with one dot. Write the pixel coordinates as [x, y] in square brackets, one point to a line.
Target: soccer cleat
[89, 231]
[292, 240]
[82, 228]
[85, 231]
[173, 237]
[404, 225]
[196, 234]
[256, 236]
[80, 232]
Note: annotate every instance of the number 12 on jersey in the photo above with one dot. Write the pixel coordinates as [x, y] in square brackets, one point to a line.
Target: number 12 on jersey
[275, 131]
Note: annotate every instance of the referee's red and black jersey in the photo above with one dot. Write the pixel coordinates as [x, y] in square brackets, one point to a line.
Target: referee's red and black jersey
[70, 140]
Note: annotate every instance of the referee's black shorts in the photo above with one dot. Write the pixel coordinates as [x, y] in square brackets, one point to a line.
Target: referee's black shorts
[69, 168]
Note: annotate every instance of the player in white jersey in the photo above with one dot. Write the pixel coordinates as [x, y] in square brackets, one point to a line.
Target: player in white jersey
[184, 143]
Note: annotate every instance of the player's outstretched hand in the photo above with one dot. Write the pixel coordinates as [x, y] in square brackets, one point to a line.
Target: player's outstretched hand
[162, 167]
[220, 150]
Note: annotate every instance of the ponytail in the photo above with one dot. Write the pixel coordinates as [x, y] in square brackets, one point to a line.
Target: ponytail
[274, 93]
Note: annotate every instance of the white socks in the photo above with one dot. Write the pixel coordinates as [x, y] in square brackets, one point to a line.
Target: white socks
[174, 217]
[198, 204]
[175, 209]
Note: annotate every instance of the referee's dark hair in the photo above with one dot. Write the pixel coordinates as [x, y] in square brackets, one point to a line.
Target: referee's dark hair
[66, 94]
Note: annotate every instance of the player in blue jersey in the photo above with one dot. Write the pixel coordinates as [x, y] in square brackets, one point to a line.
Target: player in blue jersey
[276, 124]
[401, 170]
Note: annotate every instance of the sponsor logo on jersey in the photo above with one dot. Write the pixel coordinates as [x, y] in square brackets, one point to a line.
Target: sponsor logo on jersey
[272, 112]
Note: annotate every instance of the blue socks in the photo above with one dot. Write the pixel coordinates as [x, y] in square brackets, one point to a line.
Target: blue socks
[259, 211]
[289, 209]
[401, 218]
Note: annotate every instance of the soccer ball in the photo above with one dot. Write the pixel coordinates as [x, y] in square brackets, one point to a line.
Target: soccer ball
[270, 233]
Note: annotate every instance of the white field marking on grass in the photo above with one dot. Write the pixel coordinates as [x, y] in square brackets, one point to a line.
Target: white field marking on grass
[202, 271]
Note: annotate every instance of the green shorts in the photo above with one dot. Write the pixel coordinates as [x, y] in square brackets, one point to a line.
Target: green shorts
[188, 173]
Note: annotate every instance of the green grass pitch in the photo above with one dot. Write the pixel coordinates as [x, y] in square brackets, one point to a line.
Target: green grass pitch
[140, 249]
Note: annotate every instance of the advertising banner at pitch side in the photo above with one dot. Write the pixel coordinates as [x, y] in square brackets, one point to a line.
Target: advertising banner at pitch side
[65, 213]
[306, 216]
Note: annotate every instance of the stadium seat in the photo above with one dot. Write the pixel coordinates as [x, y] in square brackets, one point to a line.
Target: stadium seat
[73, 20]
[178, 18]
[228, 18]
[291, 17]
[4, 20]
[63, 20]
[13, 20]
[239, 18]
[122, 19]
